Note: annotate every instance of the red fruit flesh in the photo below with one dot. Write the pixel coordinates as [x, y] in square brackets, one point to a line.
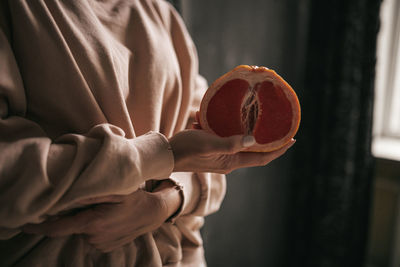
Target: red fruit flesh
[275, 116]
[224, 109]
[263, 111]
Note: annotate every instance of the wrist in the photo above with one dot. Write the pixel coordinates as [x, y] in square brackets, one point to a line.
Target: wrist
[178, 149]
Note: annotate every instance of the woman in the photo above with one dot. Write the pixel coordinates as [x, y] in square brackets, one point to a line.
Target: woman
[95, 166]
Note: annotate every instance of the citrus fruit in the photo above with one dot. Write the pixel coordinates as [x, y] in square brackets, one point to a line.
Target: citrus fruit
[251, 100]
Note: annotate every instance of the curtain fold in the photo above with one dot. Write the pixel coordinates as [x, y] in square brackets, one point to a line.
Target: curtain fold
[333, 167]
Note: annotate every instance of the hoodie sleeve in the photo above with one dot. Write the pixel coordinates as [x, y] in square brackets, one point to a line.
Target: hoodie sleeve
[40, 176]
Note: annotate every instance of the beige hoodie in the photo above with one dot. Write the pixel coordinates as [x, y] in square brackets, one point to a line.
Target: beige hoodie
[89, 91]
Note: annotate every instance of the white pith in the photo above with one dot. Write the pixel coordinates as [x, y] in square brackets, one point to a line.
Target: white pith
[249, 111]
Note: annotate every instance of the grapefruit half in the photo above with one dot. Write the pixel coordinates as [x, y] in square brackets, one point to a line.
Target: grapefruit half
[251, 100]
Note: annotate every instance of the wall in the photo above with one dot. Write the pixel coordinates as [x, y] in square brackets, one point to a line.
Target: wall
[251, 227]
[384, 235]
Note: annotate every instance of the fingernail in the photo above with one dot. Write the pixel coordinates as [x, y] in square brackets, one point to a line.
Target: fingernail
[248, 141]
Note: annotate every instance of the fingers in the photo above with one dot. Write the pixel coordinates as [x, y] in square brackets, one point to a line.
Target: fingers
[68, 225]
[104, 199]
[196, 124]
[200, 151]
[252, 159]
[232, 144]
[227, 163]
[109, 244]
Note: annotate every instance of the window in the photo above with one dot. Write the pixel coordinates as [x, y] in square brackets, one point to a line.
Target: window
[386, 136]
[385, 225]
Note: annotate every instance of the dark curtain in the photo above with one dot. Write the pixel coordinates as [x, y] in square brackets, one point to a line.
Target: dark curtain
[333, 165]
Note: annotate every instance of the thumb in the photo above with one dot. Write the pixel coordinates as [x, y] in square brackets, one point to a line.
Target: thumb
[235, 143]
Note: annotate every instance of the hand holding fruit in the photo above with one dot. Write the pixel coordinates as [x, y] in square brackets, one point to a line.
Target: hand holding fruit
[199, 151]
[248, 109]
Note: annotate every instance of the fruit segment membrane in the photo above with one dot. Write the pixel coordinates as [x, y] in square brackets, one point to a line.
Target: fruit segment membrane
[249, 111]
[262, 111]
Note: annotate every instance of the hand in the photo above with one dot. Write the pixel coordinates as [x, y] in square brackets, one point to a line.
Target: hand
[111, 225]
[199, 151]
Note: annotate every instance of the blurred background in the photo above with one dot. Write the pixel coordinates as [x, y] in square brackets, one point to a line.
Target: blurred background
[333, 200]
